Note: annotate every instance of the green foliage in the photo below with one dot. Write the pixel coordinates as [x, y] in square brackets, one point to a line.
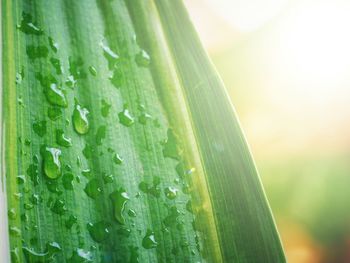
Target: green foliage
[121, 144]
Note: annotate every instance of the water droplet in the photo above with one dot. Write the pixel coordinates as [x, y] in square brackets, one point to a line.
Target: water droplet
[52, 186]
[144, 117]
[124, 231]
[15, 231]
[21, 179]
[143, 59]
[54, 46]
[56, 63]
[119, 199]
[125, 118]
[35, 199]
[171, 192]
[131, 213]
[54, 113]
[108, 178]
[55, 95]
[149, 241]
[76, 67]
[70, 81]
[116, 78]
[71, 221]
[80, 256]
[172, 217]
[28, 206]
[34, 52]
[67, 181]
[134, 255]
[27, 26]
[62, 140]
[117, 159]
[12, 214]
[100, 134]
[19, 76]
[170, 147]
[189, 206]
[80, 120]
[15, 255]
[93, 71]
[52, 164]
[105, 108]
[109, 54]
[39, 127]
[93, 188]
[99, 231]
[33, 172]
[59, 207]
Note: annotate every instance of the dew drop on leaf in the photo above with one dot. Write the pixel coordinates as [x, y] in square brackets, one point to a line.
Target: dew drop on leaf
[99, 231]
[93, 188]
[80, 119]
[62, 139]
[119, 198]
[149, 240]
[125, 118]
[59, 207]
[39, 127]
[171, 192]
[142, 59]
[52, 164]
[27, 26]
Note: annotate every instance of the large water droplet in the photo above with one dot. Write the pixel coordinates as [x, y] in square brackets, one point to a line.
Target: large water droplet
[52, 164]
[80, 120]
[119, 199]
[99, 231]
[149, 241]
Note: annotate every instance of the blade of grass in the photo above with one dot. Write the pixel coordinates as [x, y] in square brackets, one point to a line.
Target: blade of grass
[148, 146]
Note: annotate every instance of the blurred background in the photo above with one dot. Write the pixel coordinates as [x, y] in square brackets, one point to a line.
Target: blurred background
[286, 65]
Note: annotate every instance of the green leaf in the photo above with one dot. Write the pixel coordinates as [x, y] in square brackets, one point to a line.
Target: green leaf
[120, 143]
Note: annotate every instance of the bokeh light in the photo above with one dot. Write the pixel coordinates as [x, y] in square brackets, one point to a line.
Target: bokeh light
[286, 65]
